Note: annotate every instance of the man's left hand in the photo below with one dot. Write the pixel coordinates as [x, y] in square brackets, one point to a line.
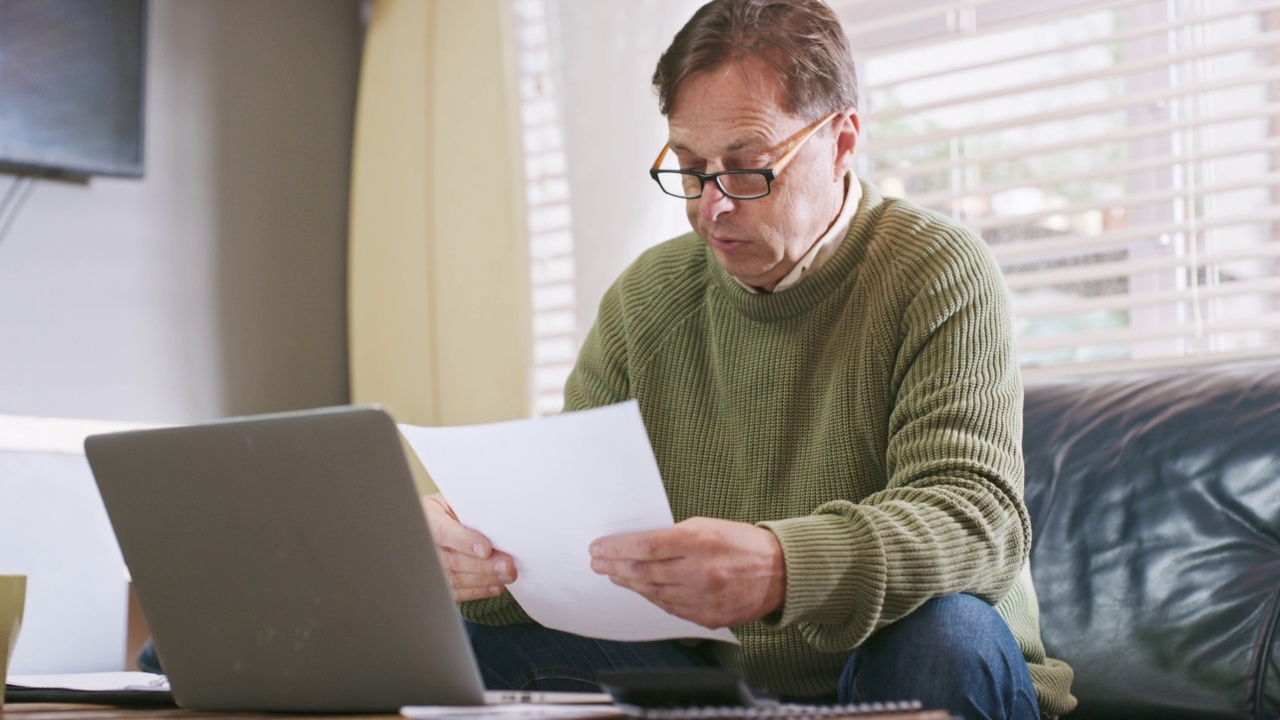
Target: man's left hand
[716, 573]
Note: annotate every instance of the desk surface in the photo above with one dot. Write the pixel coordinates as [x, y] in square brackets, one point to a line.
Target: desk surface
[45, 711]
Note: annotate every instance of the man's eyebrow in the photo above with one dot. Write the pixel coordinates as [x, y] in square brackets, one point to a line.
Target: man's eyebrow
[733, 147]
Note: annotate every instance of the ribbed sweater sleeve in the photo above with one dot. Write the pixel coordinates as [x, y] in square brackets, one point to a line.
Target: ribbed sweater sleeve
[950, 517]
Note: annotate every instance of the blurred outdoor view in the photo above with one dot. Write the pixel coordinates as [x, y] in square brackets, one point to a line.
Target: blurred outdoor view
[1119, 158]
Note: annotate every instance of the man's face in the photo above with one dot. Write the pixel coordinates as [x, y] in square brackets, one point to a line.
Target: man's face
[732, 118]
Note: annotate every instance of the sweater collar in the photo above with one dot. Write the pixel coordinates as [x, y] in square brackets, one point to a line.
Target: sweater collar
[819, 283]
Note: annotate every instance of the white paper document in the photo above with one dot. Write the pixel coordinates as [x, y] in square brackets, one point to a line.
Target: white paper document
[93, 682]
[542, 490]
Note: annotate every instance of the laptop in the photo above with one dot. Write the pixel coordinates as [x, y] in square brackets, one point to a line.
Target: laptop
[283, 563]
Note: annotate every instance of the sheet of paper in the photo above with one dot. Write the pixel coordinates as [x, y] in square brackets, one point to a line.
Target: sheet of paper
[542, 490]
[97, 681]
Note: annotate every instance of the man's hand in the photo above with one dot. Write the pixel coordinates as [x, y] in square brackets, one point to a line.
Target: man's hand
[474, 568]
[716, 573]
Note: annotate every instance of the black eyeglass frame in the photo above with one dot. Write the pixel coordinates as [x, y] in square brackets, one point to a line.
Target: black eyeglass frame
[769, 174]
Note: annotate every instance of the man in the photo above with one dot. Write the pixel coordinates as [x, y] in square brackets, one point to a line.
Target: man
[829, 383]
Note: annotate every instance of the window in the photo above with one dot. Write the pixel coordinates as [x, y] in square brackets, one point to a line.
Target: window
[551, 254]
[1119, 157]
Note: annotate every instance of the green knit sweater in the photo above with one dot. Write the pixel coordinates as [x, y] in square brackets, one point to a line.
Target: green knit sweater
[869, 416]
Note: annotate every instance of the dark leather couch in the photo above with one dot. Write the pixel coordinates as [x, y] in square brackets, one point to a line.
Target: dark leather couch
[1155, 502]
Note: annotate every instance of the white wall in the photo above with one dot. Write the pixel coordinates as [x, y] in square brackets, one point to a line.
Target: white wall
[54, 530]
[216, 285]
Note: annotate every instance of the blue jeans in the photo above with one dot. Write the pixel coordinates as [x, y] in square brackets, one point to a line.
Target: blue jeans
[954, 653]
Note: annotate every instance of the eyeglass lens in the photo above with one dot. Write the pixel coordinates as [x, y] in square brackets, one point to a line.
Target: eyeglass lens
[732, 184]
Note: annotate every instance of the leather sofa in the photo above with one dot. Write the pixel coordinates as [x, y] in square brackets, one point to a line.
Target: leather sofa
[1155, 505]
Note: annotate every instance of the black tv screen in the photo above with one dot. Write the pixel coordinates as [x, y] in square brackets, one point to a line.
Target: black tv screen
[71, 87]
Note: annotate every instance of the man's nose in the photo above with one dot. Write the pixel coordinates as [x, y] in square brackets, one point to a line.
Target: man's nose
[713, 202]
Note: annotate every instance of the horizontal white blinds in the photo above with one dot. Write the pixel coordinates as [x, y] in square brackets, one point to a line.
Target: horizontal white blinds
[1121, 158]
[551, 259]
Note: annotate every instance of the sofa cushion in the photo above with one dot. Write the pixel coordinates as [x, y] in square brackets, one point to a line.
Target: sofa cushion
[1155, 504]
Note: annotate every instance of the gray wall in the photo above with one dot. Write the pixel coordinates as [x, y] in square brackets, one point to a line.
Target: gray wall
[214, 286]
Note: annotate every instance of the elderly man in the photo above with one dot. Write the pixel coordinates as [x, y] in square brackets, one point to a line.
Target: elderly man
[829, 383]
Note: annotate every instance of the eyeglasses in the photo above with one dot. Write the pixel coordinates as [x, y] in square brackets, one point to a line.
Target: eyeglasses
[736, 184]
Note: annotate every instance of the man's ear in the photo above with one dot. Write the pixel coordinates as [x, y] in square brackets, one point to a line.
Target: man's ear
[847, 127]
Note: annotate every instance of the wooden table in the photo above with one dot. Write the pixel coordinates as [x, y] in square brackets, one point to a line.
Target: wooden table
[47, 711]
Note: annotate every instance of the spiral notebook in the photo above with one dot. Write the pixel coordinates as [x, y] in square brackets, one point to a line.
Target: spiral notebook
[685, 693]
[774, 711]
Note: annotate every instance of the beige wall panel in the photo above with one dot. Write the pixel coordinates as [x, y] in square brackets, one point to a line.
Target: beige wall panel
[391, 316]
[439, 291]
[481, 248]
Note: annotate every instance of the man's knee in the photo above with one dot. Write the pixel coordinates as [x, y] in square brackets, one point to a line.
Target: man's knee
[954, 653]
[954, 627]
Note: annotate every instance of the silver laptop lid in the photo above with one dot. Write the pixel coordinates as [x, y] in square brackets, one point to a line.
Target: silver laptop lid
[283, 563]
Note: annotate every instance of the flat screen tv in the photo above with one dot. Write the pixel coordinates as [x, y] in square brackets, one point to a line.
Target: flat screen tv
[71, 87]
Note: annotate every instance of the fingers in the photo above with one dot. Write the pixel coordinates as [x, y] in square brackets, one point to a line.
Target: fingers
[644, 559]
[474, 579]
[666, 544]
[716, 573]
[640, 572]
[474, 568]
[675, 599]
[451, 534]
[498, 569]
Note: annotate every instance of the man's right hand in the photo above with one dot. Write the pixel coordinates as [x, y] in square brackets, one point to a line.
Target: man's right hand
[474, 568]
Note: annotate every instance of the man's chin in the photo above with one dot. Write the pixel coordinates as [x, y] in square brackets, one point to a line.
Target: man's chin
[746, 273]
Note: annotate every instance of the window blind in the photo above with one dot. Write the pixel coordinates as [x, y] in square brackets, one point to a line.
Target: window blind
[1121, 159]
[550, 221]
